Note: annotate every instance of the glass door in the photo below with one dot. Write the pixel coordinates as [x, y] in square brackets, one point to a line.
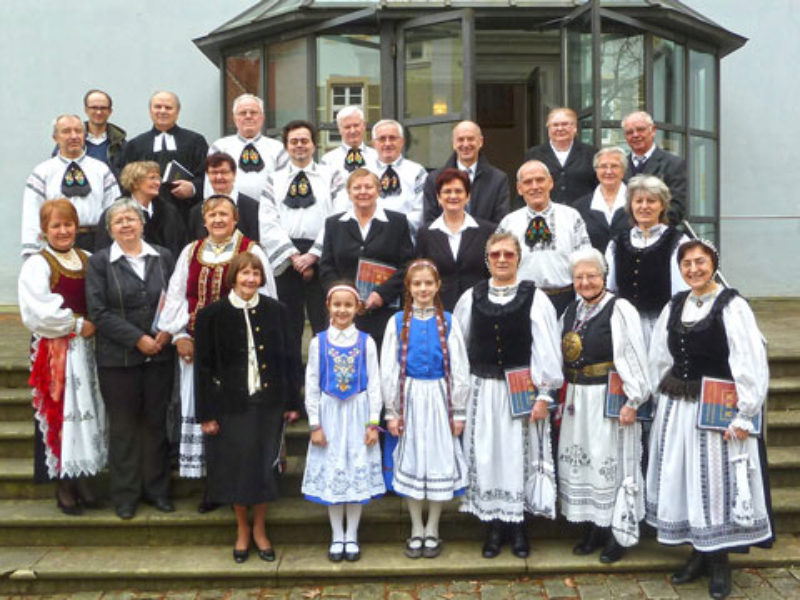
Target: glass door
[436, 81]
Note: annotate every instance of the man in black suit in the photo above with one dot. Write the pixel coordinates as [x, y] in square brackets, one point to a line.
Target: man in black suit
[489, 197]
[166, 142]
[569, 160]
[647, 158]
[221, 174]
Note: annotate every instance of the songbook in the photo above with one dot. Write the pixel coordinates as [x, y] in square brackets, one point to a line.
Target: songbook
[370, 275]
[616, 399]
[718, 401]
[521, 391]
[175, 171]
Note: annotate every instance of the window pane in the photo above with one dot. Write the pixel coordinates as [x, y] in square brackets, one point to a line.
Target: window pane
[668, 61]
[430, 145]
[622, 68]
[286, 88]
[579, 64]
[242, 76]
[707, 231]
[434, 71]
[703, 177]
[671, 142]
[702, 90]
[348, 72]
[613, 136]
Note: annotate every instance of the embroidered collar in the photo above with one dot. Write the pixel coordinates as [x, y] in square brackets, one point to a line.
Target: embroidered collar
[396, 163]
[311, 167]
[244, 140]
[66, 160]
[503, 290]
[654, 232]
[423, 312]
[546, 213]
[238, 302]
[69, 259]
[342, 337]
[704, 298]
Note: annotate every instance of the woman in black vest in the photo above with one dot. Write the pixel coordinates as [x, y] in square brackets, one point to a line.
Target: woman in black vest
[642, 266]
[699, 480]
[507, 324]
[596, 452]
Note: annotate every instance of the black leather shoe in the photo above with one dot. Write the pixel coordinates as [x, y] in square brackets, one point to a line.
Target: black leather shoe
[240, 556]
[268, 554]
[126, 511]
[612, 551]
[206, 506]
[163, 504]
[352, 551]
[519, 541]
[695, 567]
[719, 584]
[594, 539]
[494, 540]
[336, 552]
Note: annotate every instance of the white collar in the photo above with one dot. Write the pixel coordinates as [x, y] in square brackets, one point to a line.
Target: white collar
[472, 169]
[169, 142]
[346, 335]
[438, 223]
[655, 230]
[234, 195]
[599, 201]
[556, 151]
[245, 140]
[96, 139]
[362, 146]
[67, 161]
[379, 214]
[395, 163]
[309, 168]
[646, 155]
[116, 252]
[238, 302]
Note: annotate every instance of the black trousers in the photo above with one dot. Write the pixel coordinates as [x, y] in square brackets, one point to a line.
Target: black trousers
[302, 297]
[136, 400]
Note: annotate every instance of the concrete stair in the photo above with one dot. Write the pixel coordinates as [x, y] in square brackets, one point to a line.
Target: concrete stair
[44, 551]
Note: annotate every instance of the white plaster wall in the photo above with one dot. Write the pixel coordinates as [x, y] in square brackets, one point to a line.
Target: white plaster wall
[53, 51]
[760, 127]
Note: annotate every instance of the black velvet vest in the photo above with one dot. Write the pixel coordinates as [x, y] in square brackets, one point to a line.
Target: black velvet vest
[697, 351]
[596, 342]
[643, 274]
[500, 334]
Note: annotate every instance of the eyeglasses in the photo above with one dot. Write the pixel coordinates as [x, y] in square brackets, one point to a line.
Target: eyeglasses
[247, 113]
[387, 138]
[590, 277]
[98, 108]
[505, 254]
[609, 167]
[299, 141]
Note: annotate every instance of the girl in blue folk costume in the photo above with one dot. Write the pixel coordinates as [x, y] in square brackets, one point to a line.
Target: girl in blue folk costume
[343, 401]
[425, 375]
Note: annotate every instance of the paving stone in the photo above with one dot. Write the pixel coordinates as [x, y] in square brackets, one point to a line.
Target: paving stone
[431, 592]
[337, 591]
[89, 595]
[747, 578]
[120, 595]
[495, 591]
[464, 596]
[657, 589]
[556, 588]
[591, 579]
[763, 592]
[180, 595]
[368, 591]
[594, 591]
[463, 586]
[789, 587]
[252, 594]
[527, 589]
[400, 595]
[624, 586]
[775, 572]
[795, 571]
[215, 594]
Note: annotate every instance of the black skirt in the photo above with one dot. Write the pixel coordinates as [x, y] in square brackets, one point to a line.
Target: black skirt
[242, 459]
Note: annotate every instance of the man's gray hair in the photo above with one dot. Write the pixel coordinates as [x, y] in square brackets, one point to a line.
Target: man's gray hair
[349, 111]
[64, 116]
[173, 94]
[532, 163]
[639, 113]
[383, 123]
[243, 97]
